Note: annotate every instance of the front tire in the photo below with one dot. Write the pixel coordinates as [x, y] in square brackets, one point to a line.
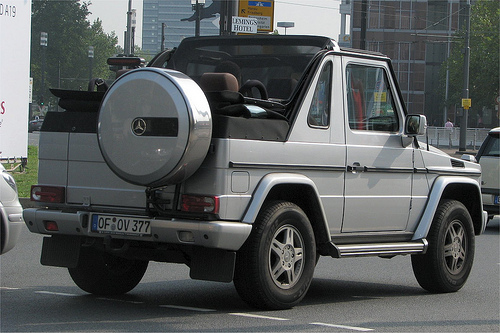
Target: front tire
[275, 266]
[448, 261]
[101, 273]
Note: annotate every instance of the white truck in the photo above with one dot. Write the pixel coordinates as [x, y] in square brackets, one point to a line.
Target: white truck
[246, 158]
[15, 38]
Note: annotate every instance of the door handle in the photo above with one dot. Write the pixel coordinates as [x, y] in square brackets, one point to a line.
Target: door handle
[355, 168]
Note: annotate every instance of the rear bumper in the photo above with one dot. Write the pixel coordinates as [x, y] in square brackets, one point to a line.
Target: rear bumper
[492, 209]
[222, 235]
[489, 204]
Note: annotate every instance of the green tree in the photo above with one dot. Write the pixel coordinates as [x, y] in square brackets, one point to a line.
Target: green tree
[67, 52]
[105, 46]
[484, 60]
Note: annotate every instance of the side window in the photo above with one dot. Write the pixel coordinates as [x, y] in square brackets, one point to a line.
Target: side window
[319, 112]
[492, 148]
[370, 106]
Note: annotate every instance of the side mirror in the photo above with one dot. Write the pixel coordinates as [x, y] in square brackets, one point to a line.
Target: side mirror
[415, 125]
[469, 158]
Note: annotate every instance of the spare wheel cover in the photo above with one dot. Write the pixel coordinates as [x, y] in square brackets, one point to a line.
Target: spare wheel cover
[154, 127]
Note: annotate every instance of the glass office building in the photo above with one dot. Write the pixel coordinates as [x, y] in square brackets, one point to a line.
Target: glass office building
[171, 13]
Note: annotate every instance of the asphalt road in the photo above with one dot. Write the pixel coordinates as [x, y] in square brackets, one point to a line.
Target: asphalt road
[359, 294]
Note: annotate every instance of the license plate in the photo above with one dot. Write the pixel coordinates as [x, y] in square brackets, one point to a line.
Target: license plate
[121, 225]
[495, 200]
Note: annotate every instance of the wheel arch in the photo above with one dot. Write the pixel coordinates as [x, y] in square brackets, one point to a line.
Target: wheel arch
[465, 190]
[3, 231]
[295, 188]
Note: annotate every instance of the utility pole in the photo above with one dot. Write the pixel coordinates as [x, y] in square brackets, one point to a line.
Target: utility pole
[91, 59]
[128, 41]
[448, 50]
[197, 6]
[465, 92]
[163, 36]
[226, 17]
[133, 21]
[44, 39]
[364, 8]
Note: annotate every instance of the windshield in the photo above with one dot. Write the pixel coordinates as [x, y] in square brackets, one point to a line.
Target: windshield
[277, 61]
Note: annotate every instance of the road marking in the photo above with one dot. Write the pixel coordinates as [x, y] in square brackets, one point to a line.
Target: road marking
[186, 308]
[178, 307]
[54, 293]
[8, 288]
[367, 297]
[119, 300]
[257, 316]
[352, 328]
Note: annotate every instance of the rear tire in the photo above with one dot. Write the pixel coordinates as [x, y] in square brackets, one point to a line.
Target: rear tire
[101, 273]
[275, 266]
[448, 261]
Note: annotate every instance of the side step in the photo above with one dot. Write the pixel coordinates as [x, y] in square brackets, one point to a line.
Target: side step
[378, 249]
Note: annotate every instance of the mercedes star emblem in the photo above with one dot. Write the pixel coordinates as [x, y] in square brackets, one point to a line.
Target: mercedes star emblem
[138, 126]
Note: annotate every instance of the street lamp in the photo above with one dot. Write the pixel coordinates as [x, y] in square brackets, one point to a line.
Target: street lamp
[91, 58]
[286, 25]
[197, 5]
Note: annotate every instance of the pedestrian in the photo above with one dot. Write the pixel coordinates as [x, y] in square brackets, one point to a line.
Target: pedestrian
[480, 121]
[448, 124]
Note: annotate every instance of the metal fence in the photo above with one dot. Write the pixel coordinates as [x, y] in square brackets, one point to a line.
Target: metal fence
[445, 137]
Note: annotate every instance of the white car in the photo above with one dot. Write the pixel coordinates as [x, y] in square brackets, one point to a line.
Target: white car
[489, 158]
[11, 212]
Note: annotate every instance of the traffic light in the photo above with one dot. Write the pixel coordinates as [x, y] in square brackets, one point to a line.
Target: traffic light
[41, 101]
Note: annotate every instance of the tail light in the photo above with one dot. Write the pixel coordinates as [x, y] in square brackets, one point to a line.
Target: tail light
[50, 194]
[200, 204]
[51, 226]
